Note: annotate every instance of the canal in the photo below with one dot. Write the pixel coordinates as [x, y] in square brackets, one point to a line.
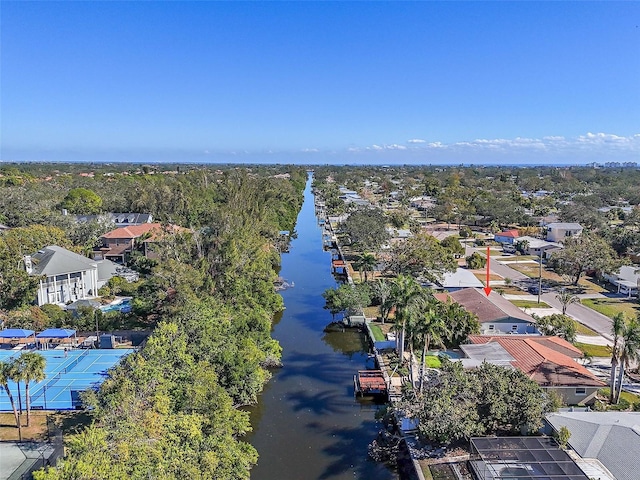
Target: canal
[307, 424]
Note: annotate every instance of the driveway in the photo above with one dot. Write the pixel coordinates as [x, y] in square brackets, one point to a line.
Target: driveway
[592, 319]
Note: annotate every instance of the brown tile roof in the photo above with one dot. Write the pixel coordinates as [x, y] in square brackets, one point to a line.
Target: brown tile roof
[491, 308]
[547, 366]
[135, 231]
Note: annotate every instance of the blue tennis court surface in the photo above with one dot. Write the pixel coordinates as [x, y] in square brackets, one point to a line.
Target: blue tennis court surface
[66, 377]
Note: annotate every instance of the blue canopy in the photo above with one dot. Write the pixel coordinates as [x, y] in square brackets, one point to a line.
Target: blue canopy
[56, 333]
[16, 333]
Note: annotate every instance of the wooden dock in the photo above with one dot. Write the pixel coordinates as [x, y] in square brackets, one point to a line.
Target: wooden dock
[370, 383]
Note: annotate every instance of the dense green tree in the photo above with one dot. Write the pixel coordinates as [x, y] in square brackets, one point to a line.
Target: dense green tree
[421, 256]
[366, 229]
[490, 399]
[82, 200]
[453, 245]
[558, 324]
[582, 253]
[475, 261]
[366, 264]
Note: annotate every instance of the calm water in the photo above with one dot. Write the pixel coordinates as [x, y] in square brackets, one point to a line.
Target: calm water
[307, 424]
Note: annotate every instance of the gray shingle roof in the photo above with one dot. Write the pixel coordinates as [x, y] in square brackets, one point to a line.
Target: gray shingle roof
[54, 260]
[611, 437]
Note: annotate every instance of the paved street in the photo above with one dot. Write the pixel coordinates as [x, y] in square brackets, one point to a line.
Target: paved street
[592, 319]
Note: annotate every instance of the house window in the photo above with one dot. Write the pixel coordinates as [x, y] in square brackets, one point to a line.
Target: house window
[514, 328]
[581, 391]
[491, 326]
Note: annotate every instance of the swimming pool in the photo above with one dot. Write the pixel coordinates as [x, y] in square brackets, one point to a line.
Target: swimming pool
[123, 307]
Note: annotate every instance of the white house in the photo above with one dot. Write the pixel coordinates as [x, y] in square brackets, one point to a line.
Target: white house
[627, 280]
[538, 247]
[68, 276]
[558, 232]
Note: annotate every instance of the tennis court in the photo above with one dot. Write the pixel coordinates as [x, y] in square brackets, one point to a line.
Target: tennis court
[66, 376]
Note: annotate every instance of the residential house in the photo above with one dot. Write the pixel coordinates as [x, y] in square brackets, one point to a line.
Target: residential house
[454, 281]
[67, 276]
[603, 439]
[626, 280]
[549, 361]
[120, 219]
[118, 244]
[508, 236]
[559, 232]
[496, 314]
[538, 247]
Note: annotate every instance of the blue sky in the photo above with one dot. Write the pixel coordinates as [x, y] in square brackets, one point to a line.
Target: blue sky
[321, 82]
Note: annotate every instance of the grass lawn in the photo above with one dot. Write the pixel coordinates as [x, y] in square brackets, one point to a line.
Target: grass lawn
[529, 304]
[516, 258]
[433, 361]
[378, 336]
[70, 422]
[483, 277]
[594, 350]
[371, 312]
[628, 396]
[611, 306]
[510, 290]
[531, 270]
[584, 330]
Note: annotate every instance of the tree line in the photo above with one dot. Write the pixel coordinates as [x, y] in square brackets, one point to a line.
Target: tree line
[172, 410]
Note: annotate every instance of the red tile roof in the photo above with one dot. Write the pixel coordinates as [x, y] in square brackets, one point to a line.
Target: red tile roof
[135, 231]
[547, 366]
[508, 234]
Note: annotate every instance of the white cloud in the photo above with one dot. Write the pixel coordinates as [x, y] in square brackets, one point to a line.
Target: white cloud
[590, 146]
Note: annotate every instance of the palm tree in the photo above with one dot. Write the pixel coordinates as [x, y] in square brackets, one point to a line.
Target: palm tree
[566, 298]
[617, 329]
[432, 328]
[6, 374]
[366, 264]
[382, 291]
[405, 291]
[629, 351]
[31, 369]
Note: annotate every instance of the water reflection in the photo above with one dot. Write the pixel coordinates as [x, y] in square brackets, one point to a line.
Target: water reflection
[307, 424]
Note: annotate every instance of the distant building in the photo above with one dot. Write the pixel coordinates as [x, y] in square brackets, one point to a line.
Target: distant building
[626, 280]
[559, 232]
[120, 219]
[508, 236]
[117, 244]
[539, 248]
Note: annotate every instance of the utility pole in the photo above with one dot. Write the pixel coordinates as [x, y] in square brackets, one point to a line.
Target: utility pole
[540, 276]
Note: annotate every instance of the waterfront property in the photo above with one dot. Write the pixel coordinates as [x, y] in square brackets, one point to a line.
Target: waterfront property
[549, 361]
[497, 458]
[495, 314]
[603, 440]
